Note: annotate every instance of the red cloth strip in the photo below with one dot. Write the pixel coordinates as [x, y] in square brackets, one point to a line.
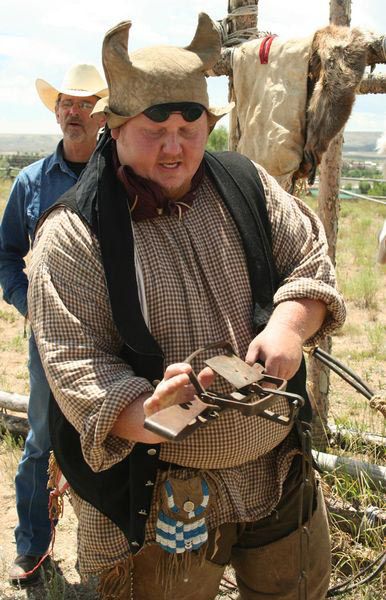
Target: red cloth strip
[265, 48]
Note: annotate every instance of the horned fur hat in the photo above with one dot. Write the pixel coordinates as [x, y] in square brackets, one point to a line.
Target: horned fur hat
[159, 74]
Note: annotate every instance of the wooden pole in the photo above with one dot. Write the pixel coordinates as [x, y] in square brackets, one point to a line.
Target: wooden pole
[9, 422]
[237, 22]
[374, 474]
[356, 521]
[14, 402]
[242, 15]
[346, 437]
[373, 84]
[17, 426]
[328, 208]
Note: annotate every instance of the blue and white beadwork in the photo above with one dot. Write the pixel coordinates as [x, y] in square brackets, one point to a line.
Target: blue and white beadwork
[177, 537]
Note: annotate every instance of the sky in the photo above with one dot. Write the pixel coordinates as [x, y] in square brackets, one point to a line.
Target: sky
[42, 39]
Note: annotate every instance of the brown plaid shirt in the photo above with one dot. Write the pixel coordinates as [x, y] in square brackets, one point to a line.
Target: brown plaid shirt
[196, 289]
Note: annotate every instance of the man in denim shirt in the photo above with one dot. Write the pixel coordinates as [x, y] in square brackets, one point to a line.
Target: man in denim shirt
[36, 188]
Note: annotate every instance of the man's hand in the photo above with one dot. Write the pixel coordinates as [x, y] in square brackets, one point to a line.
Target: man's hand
[280, 345]
[175, 387]
[279, 349]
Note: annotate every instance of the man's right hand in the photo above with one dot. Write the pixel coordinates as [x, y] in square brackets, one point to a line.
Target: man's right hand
[176, 388]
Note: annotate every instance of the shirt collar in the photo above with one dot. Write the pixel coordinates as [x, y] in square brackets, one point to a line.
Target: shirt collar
[57, 160]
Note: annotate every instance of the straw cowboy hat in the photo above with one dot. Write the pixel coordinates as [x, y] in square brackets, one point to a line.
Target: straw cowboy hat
[80, 80]
[159, 74]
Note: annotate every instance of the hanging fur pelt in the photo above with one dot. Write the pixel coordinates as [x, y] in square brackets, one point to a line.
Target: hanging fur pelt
[338, 60]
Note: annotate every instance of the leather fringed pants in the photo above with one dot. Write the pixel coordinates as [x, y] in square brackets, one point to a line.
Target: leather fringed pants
[265, 555]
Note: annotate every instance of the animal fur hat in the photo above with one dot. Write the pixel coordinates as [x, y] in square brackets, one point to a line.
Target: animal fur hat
[159, 74]
[80, 81]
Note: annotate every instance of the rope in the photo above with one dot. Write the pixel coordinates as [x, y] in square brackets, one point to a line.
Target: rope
[372, 515]
[377, 402]
[248, 10]
[240, 35]
[243, 35]
[228, 583]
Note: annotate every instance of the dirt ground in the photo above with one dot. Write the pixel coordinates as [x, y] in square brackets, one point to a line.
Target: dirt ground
[64, 556]
[68, 586]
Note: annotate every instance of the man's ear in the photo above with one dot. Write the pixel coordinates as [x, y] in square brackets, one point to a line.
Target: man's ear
[57, 108]
[102, 121]
[115, 133]
[57, 112]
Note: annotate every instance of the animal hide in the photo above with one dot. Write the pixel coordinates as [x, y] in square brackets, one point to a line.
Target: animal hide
[338, 60]
[290, 109]
[271, 104]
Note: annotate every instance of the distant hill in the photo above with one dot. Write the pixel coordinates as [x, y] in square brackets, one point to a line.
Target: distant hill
[28, 142]
[361, 141]
[354, 141]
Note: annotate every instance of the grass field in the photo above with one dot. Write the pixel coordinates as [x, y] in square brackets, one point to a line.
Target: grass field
[361, 344]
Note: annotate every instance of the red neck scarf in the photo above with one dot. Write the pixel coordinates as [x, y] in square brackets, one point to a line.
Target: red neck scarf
[146, 198]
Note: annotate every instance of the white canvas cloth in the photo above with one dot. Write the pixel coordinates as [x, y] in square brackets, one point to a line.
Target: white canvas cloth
[271, 104]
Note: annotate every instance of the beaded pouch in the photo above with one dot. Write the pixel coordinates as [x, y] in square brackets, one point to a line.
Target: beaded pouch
[181, 522]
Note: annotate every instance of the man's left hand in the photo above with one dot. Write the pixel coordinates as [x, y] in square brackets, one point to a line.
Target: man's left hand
[279, 349]
[280, 345]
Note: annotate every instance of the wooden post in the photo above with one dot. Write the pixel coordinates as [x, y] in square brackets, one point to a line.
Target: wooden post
[328, 208]
[373, 84]
[17, 426]
[374, 474]
[238, 22]
[14, 402]
[238, 19]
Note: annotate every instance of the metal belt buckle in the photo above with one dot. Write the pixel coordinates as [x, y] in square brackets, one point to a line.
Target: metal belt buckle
[254, 393]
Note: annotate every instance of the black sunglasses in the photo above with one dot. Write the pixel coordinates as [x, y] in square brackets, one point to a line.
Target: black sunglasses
[190, 111]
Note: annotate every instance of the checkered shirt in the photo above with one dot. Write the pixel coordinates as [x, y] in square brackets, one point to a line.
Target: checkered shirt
[197, 291]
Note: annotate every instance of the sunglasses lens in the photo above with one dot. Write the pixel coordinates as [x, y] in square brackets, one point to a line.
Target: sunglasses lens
[161, 112]
[192, 113]
[157, 113]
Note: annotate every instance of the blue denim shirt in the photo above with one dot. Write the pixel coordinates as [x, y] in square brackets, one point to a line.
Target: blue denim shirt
[34, 190]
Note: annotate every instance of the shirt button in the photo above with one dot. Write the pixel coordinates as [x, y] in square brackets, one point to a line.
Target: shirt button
[152, 451]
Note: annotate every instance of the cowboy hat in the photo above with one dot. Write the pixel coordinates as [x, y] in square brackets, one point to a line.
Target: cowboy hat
[80, 81]
[159, 74]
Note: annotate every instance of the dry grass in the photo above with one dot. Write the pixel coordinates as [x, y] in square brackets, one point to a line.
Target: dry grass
[361, 344]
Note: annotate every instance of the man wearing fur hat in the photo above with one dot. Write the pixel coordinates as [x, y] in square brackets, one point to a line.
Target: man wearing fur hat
[170, 249]
[37, 187]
